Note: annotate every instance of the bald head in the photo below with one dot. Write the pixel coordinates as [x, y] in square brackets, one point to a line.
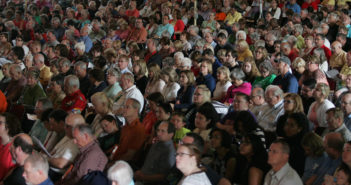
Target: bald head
[336, 47]
[25, 137]
[22, 147]
[73, 120]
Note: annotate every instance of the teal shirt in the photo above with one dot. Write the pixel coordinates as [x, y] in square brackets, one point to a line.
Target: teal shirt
[39, 131]
[263, 82]
[112, 91]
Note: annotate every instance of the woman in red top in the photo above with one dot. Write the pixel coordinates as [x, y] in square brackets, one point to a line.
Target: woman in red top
[177, 23]
[9, 127]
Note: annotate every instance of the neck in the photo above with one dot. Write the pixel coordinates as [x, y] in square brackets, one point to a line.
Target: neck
[131, 119]
[320, 100]
[191, 170]
[276, 168]
[5, 139]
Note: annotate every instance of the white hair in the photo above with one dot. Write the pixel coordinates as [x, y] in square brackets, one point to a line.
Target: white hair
[121, 172]
[240, 32]
[72, 80]
[179, 55]
[80, 45]
[38, 162]
[186, 62]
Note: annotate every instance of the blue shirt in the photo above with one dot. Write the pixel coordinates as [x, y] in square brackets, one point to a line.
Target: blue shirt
[294, 7]
[287, 83]
[328, 167]
[207, 80]
[161, 28]
[46, 182]
[87, 42]
[347, 121]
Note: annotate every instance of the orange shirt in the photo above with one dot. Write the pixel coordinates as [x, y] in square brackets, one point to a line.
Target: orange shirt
[132, 138]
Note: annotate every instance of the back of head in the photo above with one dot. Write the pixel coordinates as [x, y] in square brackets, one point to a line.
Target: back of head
[38, 163]
[121, 173]
[24, 142]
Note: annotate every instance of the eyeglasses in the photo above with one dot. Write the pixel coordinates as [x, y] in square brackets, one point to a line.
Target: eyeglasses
[181, 154]
[288, 101]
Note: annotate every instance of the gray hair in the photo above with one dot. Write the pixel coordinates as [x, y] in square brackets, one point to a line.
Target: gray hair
[72, 80]
[267, 65]
[115, 72]
[46, 103]
[277, 91]
[38, 162]
[16, 67]
[199, 43]
[237, 73]
[81, 65]
[84, 129]
[240, 32]
[179, 54]
[40, 58]
[121, 172]
[65, 62]
[80, 45]
[195, 28]
[298, 28]
[30, 56]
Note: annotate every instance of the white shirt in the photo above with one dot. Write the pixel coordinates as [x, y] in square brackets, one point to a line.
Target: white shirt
[66, 149]
[285, 176]
[131, 92]
[196, 178]
[170, 91]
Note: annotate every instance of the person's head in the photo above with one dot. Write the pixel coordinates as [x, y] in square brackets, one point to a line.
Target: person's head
[139, 68]
[237, 75]
[17, 53]
[221, 39]
[80, 69]
[223, 74]
[312, 144]
[71, 84]
[113, 76]
[245, 123]
[335, 118]
[206, 117]
[283, 65]
[102, 103]
[120, 173]
[252, 148]
[346, 154]
[299, 65]
[21, 148]
[32, 76]
[169, 75]
[109, 124]
[64, 65]
[35, 169]
[336, 47]
[57, 120]
[293, 103]
[83, 135]
[151, 45]
[187, 156]
[319, 40]
[165, 131]
[307, 88]
[220, 139]
[242, 46]
[278, 154]
[333, 143]
[71, 121]
[343, 174]
[257, 96]
[201, 95]
[273, 95]
[123, 62]
[127, 80]
[41, 105]
[154, 71]
[39, 61]
[346, 103]
[260, 53]
[163, 111]
[206, 67]
[321, 91]
[186, 78]
[297, 123]
[178, 120]
[131, 108]
[9, 125]
[15, 72]
[241, 102]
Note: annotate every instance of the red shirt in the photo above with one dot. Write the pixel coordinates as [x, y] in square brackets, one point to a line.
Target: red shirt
[148, 56]
[134, 13]
[313, 4]
[75, 100]
[327, 52]
[5, 160]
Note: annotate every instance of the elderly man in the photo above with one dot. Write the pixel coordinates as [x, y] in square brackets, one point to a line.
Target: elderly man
[132, 134]
[346, 107]
[74, 99]
[36, 168]
[286, 80]
[80, 70]
[333, 145]
[18, 81]
[153, 171]
[84, 37]
[270, 112]
[320, 43]
[121, 174]
[139, 34]
[335, 120]
[21, 149]
[52, 40]
[97, 33]
[288, 51]
[91, 157]
[257, 100]
[281, 172]
[153, 56]
[338, 58]
[65, 151]
[129, 90]
[45, 74]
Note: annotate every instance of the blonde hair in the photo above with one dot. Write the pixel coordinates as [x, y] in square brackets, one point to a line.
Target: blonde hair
[206, 93]
[298, 102]
[102, 98]
[298, 62]
[142, 65]
[209, 65]
[226, 72]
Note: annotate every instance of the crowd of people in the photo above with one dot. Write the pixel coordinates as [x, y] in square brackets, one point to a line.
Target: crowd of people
[181, 92]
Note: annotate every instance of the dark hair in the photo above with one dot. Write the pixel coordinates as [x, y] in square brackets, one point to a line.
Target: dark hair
[109, 118]
[301, 121]
[156, 97]
[64, 52]
[226, 140]
[45, 114]
[210, 113]
[245, 96]
[19, 52]
[58, 115]
[221, 35]
[346, 169]
[100, 62]
[310, 83]
[25, 146]
[170, 127]
[59, 80]
[208, 52]
[180, 114]
[247, 120]
[198, 141]
[97, 74]
[259, 151]
[166, 107]
[12, 124]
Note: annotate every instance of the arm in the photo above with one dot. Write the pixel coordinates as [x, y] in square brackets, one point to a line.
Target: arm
[230, 168]
[58, 162]
[255, 176]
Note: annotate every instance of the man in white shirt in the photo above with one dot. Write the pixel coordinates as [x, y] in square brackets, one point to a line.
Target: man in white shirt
[281, 172]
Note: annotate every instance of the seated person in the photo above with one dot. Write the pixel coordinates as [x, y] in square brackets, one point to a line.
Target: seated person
[109, 142]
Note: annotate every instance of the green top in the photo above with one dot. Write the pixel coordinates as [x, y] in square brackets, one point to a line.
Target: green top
[32, 94]
[180, 134]
[263, 82]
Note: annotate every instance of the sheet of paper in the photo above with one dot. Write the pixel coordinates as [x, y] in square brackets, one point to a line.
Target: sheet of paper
[41, 146]
[32, 117]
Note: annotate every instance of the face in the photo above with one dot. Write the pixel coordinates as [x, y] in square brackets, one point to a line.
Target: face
[122, 64]
[216, 139]
[162, 132]
[281, 67]
[259, 54]
[161, 114]
[79, 139]
[317, 93]
[289, 104]
[291, 128]
[30, 175]
[245, 148]
[3, 130]
[108, 126]
[309, 42]
[129, 110]
[201, 121]
[240, 103]
[312, 66]
[264, 72]
[14, 74]
[270, 98]
[31, 81]
[184, 158]
[247, 67]
[333, 122]
[306, 91]
[111, 78]
[100, 108]
[346, 104]
[220, 75]
[198, 96]
[204, 68]
[319, 41]
[276, 156]
[346, 154]
[177, 121]
[342, 178]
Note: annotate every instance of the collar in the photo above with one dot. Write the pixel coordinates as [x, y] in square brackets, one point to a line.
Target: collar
[281, 173]
[86, 147]
[340, 128]
[130, 88]
[76, 92]
[278, 104]
[46, 182]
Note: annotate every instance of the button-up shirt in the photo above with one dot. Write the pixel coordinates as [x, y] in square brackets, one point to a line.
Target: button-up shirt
[285, 176]
[269, 115]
